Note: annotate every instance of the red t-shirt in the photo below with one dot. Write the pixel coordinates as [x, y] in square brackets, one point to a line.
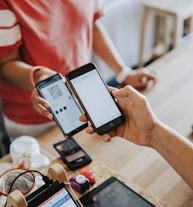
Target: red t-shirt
[55, 34]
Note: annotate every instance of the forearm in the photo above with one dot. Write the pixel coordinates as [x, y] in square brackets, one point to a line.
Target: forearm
[176, 150]
[105, 49]
[17, 73]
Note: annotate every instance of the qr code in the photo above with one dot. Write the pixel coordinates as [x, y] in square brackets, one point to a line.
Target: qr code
[55, 91]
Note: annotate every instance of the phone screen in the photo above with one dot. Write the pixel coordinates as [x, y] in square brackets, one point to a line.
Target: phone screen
[115, 192]
[62, 104]
[62, 198]
[95, 97]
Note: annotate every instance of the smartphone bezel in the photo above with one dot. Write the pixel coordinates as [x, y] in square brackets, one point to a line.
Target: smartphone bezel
[106, 127]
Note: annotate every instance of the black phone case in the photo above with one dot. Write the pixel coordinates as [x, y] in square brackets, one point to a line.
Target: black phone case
[80, 162]
[107, 126]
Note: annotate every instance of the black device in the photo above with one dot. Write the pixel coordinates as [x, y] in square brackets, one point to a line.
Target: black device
[63, 105]
[5, 139]
[53, 194]
[95, 98]
[114, 193]
[73, 155]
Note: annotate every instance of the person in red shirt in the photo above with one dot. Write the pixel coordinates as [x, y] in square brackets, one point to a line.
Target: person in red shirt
[40, 38]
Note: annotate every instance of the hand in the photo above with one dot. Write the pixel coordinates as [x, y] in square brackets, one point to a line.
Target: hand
[140, 78]
[140, 120]
[40, 104]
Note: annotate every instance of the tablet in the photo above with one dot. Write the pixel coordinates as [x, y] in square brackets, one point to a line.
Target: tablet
[114, 193]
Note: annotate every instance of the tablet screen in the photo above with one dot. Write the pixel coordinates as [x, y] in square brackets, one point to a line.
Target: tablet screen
[114, 193]
[59, 199]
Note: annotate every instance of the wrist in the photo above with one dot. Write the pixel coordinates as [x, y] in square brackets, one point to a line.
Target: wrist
[121, 76]
[38, 73]
[157, 136]
[32, 74]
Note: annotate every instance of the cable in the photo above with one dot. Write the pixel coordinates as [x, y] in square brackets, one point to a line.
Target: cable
[11, 170]
[45, 179]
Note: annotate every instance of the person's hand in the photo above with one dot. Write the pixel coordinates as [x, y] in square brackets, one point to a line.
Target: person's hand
[39, 103]
[140, 120]
[140, 78]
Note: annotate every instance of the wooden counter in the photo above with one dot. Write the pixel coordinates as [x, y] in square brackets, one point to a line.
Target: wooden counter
[172, 101]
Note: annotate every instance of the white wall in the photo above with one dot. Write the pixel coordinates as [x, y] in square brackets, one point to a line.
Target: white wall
[123, 23]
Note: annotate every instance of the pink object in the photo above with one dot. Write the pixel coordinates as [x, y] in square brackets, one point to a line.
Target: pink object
[89, 173]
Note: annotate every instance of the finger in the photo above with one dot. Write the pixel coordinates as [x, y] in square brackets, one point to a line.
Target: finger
[43, 111]
[42, 102]
[123, 92]
[90, 130]
[145, 80]
[150, 73]
[83, 118]
[112, 89]
[37, 99]
[106, 137]
[41, 105]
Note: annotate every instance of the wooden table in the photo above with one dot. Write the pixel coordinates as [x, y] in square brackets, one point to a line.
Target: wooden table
[143, 168]
[172, 101]
[90, 143]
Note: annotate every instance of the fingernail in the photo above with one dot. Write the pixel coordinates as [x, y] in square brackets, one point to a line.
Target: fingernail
[50, 116]
[107, 138]
[46, 105]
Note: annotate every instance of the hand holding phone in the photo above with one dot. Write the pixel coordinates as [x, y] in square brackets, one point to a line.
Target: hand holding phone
[95, 98]
[63, 105]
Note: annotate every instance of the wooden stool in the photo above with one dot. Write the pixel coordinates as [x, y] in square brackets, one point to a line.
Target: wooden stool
[176, 11]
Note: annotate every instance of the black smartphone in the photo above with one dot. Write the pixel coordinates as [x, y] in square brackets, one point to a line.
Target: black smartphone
[63, 105]
[72, 154]
[95, 98]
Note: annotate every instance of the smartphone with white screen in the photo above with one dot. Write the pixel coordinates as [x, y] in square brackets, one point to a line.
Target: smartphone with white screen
[63, 105]
[95, 98]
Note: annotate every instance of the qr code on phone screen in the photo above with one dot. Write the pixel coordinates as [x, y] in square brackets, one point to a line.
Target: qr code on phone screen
[55, 91]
